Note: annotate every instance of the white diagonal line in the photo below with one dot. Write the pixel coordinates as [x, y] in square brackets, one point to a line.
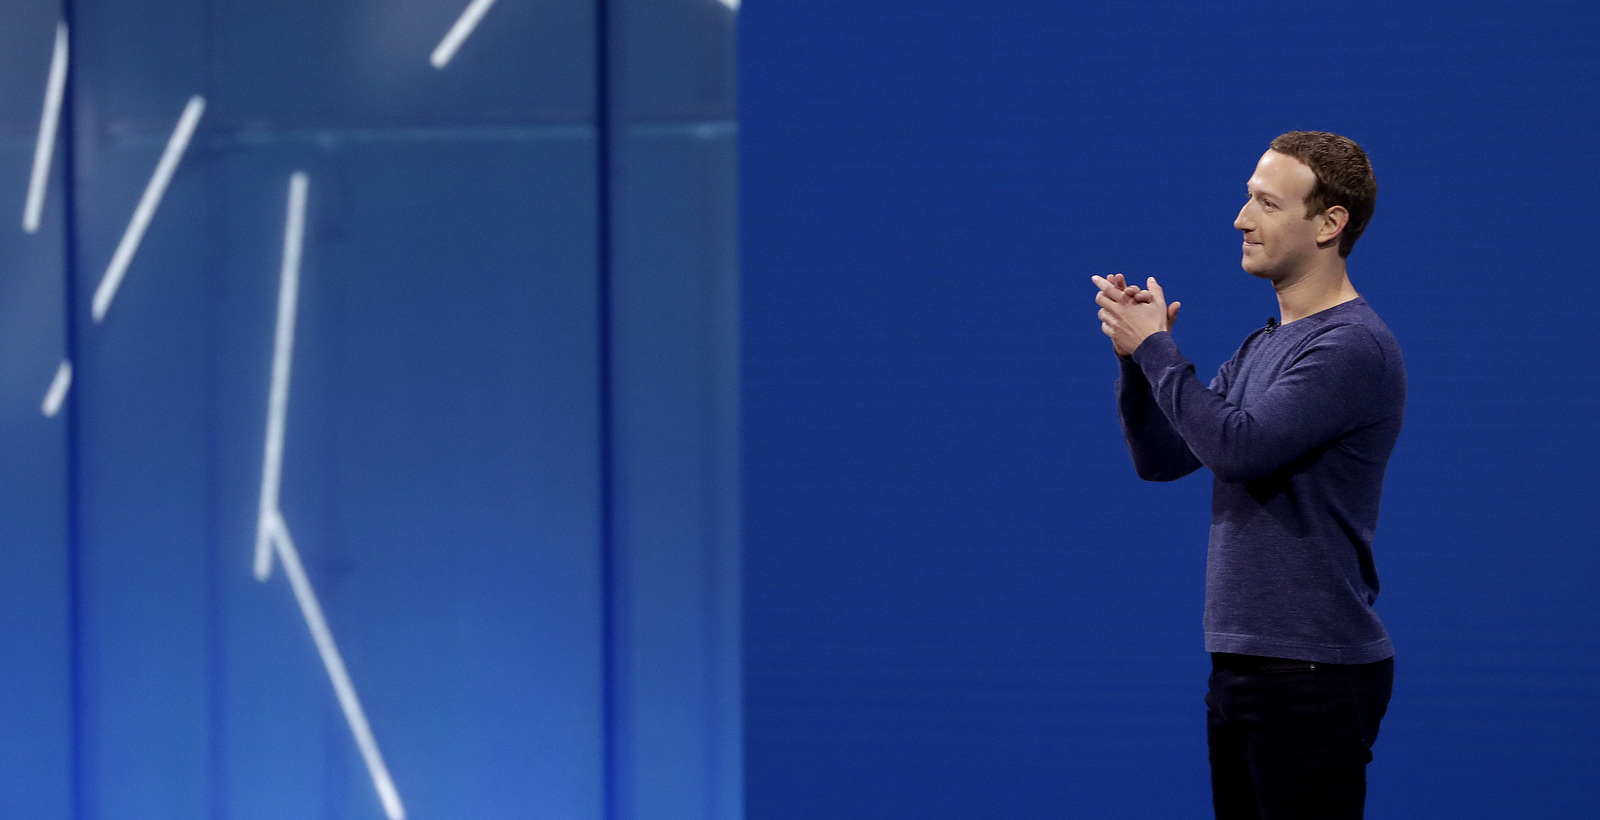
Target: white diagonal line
[346, 691]
[147, 206]
[459, 32]
[42, 152]
[272, 533]
[58, 391]
[282, 357]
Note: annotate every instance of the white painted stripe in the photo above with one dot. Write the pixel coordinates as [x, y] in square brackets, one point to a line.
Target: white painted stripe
[459, 32]
[57, 392]
[346, 691]
[282, 358]
[147, 206]
[272, 533]
[45, 148]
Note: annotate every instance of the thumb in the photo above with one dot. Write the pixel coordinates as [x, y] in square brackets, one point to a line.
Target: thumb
[1172, 314]
[1155, 287]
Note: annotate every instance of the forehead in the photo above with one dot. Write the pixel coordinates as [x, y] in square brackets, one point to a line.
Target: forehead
[1282, 175]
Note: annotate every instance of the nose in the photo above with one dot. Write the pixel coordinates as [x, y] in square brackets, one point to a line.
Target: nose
[1240, 221]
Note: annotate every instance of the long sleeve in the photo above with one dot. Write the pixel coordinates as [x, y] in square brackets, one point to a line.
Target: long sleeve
[1159, 453]
[1325, 390]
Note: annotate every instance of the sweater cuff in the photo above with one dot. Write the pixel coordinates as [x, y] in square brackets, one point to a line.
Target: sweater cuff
[1156, 352]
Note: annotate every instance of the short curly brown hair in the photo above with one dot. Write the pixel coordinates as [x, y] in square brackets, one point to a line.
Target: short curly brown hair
[1344, 177]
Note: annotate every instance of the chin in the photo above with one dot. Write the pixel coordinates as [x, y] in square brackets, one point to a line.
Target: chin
[1256, 268]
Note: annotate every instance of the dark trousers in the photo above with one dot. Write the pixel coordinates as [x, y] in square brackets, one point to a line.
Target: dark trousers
[1291, 740]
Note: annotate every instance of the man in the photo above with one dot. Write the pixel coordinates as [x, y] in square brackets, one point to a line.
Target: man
[1297, 429]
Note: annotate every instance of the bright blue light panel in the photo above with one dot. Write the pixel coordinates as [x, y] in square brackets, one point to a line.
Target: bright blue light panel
[482, 268]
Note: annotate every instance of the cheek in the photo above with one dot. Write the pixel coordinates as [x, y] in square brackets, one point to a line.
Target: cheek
[1305, 232]
[1288, 232]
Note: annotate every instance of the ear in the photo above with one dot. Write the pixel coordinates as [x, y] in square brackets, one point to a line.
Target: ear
[1331, 224]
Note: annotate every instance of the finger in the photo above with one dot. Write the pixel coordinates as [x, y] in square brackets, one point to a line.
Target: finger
[1172, 313]
[1106, 329]
[1104, 299]
[1119, 280]
[1109, 290]
[1142, 297]
[1155, 287]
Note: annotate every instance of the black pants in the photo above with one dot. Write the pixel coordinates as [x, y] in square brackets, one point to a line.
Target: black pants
[1290, 740]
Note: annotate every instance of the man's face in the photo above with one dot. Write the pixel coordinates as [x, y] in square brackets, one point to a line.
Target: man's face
[1278, 239]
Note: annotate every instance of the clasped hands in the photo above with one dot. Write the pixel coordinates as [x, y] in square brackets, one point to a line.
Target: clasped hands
[1129, 314]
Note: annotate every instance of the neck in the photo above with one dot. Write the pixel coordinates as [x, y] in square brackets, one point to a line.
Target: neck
[1314, 290]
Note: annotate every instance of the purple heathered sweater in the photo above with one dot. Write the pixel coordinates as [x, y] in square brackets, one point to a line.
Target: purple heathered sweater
[1297, 428]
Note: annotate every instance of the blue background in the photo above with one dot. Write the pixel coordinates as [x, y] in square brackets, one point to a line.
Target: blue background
[959, 600]
[511, 453]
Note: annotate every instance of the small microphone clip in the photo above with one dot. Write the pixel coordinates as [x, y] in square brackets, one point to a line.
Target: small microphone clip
[1272, 323]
